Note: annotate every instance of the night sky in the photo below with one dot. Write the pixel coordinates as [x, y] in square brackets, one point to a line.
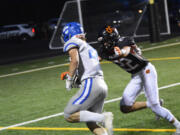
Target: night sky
[23, 11]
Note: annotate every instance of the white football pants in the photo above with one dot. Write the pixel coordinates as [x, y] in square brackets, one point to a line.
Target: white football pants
[147, 79]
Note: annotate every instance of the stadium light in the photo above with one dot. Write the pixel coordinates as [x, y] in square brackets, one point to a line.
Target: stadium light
[151, 2]
[140, 11]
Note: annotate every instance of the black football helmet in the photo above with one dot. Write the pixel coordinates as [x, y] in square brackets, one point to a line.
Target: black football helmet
[108, 35]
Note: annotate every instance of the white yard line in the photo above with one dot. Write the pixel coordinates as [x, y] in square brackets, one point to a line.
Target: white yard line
[60, 114]
[32, 121]
[33, 70]
[60, 65]
[161, 46]
[163, 87]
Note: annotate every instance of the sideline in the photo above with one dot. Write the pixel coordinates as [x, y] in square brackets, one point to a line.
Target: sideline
[86, 129]
[60, 114]
[66, 64]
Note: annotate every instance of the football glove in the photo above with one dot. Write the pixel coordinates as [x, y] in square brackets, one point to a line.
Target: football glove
[64, 75]
[69, 82]
[138, 50]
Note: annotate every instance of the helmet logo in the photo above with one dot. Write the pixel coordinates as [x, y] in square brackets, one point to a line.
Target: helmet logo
[65, 29]
[109, 29]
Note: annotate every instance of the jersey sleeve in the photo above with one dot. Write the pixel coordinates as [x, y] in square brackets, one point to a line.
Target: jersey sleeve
[72, 43]
[100, 51]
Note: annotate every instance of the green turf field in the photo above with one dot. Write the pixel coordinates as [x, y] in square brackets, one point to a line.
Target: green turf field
[32, 90]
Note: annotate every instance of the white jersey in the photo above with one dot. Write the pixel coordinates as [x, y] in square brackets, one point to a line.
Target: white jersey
[89, 65]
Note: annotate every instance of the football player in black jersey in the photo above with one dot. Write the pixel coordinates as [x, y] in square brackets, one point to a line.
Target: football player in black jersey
[124, 52]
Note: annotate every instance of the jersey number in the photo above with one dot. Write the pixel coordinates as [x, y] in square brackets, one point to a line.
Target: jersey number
[93, 54]
[127, 64]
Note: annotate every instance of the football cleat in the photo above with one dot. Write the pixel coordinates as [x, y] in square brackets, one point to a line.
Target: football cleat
[108, 122]
[161, 101]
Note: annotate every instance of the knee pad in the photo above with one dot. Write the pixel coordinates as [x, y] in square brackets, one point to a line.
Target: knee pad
[127, 101]
[124, 108]
[122, 102]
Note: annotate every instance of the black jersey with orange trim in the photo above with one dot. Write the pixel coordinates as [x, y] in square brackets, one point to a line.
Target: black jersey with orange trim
[133, 62]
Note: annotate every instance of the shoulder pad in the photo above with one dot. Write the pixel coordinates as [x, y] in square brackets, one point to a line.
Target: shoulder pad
[72, 43]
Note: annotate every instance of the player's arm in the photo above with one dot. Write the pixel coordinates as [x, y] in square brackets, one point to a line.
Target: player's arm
[101, 53]
[130, 41]
[120, 53]
[73, 53]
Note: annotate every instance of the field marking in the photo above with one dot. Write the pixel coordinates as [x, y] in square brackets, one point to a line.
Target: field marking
[167, 58]
[33, 70]
[161, 46]
[66, 64]
[32, 121]
[163, 87]
[60, 114]
[86, 129]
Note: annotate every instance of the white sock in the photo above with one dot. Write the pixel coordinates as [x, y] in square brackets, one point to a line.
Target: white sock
[148, 104]
[105, 133]
[87, 116]
[176, 123]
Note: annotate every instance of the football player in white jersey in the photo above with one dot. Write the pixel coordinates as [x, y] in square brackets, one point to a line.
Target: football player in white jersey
[87, 104]
[124, 52]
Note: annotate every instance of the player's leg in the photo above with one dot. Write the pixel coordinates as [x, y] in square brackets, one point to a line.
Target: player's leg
[96, 129]
[130, 93]
[93, 126]
[98, 107]
[151, 89]
[76, 109]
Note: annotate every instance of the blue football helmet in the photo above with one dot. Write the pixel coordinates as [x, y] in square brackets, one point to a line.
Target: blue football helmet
[71, 29]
